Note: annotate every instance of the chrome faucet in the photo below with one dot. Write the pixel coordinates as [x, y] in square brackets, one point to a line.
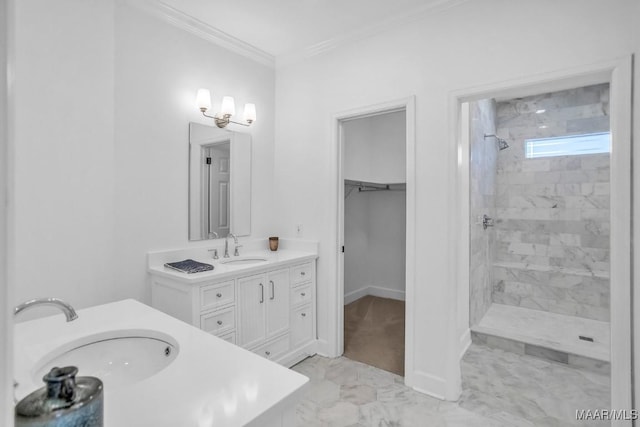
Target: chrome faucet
[226, 244]
[68, 311]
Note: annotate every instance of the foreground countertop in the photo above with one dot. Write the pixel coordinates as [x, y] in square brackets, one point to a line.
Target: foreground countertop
[210, 383]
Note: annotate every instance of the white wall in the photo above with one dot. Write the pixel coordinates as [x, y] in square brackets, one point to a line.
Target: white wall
[375, 148]
[158, 71]
[104, 97]
[375, 244]
[431, 57]
[636, 205]
[356, 242]
[6, 301]
[387, 240]
[64, 152]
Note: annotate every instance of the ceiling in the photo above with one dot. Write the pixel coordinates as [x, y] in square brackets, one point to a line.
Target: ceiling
[284, 27]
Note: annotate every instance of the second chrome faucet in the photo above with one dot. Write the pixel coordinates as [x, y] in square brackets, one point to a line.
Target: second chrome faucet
[226, 245]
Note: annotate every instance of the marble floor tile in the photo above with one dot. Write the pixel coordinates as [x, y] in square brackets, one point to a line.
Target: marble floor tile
[340, 414]
[500, 389]
[358, 394]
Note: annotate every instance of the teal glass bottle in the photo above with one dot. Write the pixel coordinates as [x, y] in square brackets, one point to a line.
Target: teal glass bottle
[65, 401]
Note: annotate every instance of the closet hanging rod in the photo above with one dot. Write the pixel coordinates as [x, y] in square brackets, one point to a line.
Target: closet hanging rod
[362, 188]
[371, 186]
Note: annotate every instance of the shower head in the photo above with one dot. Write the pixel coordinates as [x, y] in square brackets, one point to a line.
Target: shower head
[502, 144]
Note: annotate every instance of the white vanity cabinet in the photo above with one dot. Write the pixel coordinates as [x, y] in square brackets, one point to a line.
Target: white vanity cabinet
[270, 311]
[263, 306]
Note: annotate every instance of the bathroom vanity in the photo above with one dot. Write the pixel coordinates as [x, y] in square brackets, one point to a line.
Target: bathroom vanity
[262, 301]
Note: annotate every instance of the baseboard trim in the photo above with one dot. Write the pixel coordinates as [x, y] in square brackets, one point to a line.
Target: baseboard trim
[428, 384]
[465, 342]
[376, 291]
[323, 349]
[299, 354]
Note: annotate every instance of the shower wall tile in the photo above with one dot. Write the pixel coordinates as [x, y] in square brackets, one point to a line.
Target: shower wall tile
[592, 365]
[595, 188]
[564, 163]
[498, 342]
[482, 167]
[587, 124]
[595, 162]
[594, 241]
[546, 353]
[578, 227]
[552, 214]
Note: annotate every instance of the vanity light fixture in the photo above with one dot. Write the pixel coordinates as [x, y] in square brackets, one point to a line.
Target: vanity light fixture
[227, 110]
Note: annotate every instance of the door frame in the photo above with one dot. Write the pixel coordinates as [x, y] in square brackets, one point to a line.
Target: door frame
[618, 73]
[336, 293]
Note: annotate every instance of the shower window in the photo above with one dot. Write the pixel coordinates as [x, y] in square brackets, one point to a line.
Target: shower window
[591, 143]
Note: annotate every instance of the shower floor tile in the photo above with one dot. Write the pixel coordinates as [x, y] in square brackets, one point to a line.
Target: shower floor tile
[550, 330]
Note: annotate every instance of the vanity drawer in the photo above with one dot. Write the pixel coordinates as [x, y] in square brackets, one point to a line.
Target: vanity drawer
[219, 322]
[301, 325]
[301, 273]
[214, 296]
[273, 349]
[230, 337]
[301, 294]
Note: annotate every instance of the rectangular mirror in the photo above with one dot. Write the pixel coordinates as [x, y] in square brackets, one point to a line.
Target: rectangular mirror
[219, 182]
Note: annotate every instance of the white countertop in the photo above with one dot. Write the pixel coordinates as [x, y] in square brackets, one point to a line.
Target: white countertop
[292, 253]
[210, 383]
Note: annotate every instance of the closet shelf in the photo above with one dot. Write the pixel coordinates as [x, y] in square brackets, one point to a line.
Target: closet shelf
[374, 186]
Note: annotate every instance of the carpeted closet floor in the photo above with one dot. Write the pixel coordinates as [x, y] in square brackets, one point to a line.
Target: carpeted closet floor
[374, 333]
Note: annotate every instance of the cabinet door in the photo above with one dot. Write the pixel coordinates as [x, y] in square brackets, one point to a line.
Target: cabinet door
[301, 325]
[253, 294]
[277, 293]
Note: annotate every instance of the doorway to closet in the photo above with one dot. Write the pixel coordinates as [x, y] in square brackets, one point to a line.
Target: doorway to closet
[375, 212]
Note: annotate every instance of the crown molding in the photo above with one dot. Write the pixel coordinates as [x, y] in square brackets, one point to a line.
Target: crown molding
[203, 30]
[368, 31]
[211, 34]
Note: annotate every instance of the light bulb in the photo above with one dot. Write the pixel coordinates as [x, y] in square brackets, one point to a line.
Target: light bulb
[203, 99]
[228, 106]
[250, 113]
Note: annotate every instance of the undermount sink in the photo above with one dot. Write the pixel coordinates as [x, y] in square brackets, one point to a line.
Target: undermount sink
[118, 358]
[243, 260]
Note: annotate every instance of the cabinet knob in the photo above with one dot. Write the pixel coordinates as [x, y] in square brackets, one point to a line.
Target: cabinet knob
[268, 353]
[304, 314]
[302, 273]
[219, 295]
[303, 294]
[219, 322]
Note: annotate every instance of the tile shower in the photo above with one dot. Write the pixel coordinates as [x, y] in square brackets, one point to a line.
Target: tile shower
[547, 256]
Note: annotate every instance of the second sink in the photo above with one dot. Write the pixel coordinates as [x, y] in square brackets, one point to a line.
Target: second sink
[242, 260]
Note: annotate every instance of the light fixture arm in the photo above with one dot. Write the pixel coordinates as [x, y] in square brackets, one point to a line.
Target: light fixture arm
[223, 121]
